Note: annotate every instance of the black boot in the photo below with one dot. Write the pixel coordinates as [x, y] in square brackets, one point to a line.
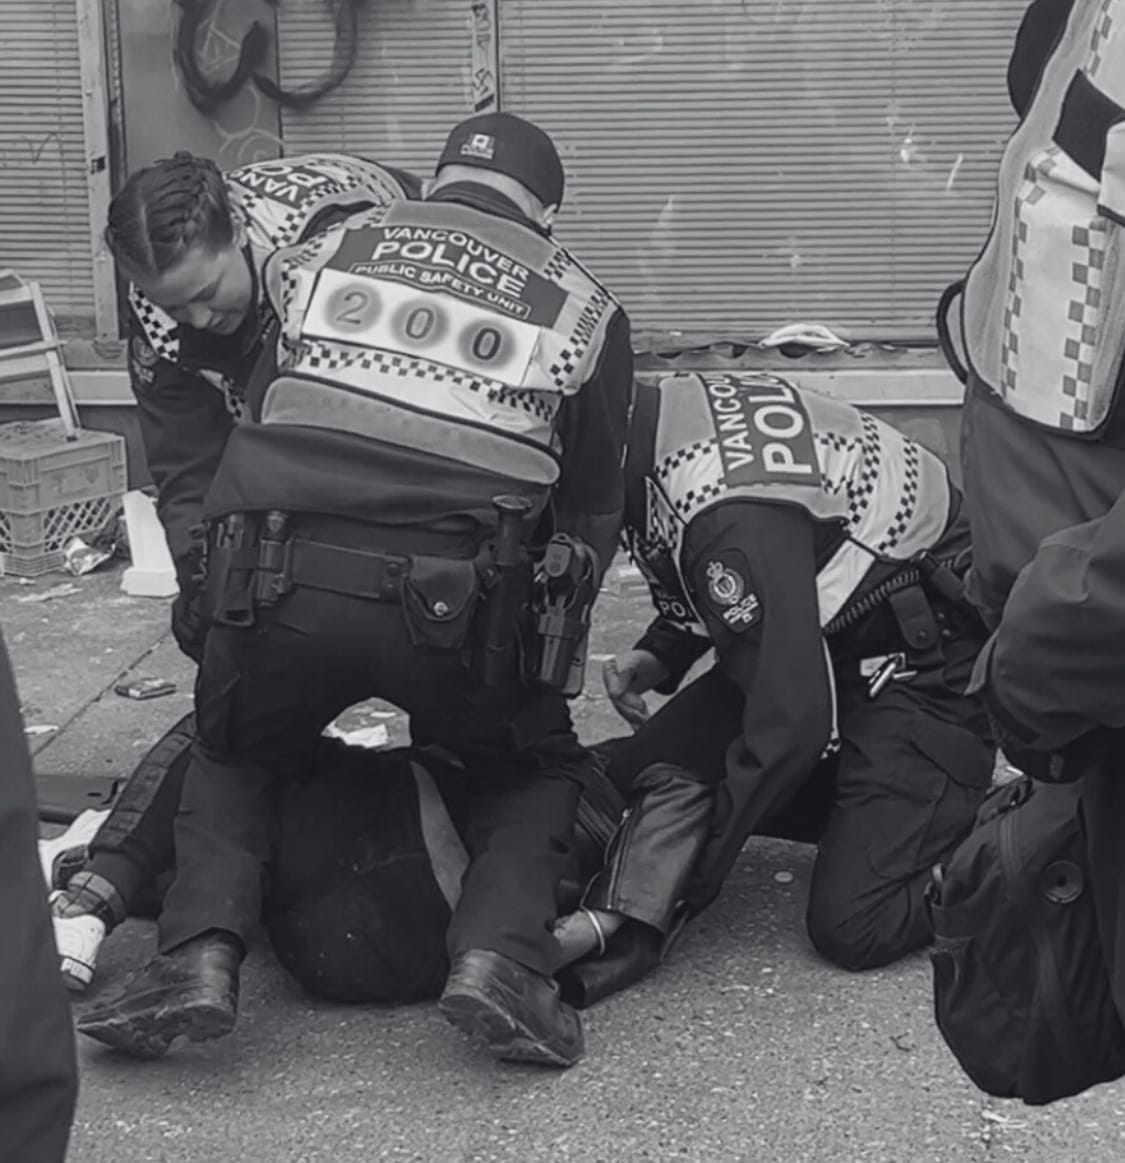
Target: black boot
[515, 1011]
[191, 991]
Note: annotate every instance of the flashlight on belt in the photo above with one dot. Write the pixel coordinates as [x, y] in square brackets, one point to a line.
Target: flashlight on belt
[508, 560]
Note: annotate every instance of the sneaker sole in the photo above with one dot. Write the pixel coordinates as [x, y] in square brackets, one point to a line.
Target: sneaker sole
[150, 1035]
[490, 1025]
[76, 974]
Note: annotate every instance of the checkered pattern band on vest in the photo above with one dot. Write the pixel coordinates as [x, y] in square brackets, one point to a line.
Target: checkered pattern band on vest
[1044, 304]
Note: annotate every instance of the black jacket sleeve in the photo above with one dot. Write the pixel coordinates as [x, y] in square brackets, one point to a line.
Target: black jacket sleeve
[184, 425]
[590, 495]
[752, 570]
[1054, 669]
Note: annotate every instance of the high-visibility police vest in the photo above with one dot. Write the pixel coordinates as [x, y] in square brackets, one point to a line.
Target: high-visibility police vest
[277, 201]
[754, 436]
[437, 328]
[1043, 312]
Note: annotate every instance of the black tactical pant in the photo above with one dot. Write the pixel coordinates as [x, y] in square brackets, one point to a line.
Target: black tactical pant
[265, 693]
[38, 1073]
[902, 791]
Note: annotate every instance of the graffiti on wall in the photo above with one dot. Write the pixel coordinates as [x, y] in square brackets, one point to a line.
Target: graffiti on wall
[484, 85]
[245, 128]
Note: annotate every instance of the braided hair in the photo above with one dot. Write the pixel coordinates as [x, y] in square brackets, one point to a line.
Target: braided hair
[166, 209]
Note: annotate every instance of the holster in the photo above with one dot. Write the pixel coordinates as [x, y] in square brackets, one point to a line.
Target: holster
[566, 584]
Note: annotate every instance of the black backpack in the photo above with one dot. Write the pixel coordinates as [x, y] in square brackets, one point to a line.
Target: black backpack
[1021, 991]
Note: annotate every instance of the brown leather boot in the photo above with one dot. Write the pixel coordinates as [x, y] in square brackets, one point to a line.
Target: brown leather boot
[191, 991]
[516, 1012]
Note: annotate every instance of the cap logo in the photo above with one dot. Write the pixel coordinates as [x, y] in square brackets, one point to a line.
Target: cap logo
[482, 145]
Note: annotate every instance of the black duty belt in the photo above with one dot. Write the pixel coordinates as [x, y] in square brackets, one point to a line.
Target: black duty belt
[357, 573]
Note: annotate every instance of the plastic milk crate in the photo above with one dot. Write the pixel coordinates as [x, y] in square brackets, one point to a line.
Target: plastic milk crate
[53, 489]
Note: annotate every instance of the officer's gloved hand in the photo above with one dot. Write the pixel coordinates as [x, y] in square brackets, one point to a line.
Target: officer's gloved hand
[189, 623]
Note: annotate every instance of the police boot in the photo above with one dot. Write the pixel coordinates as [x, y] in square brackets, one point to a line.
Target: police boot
[517, 1013]
[191, 991]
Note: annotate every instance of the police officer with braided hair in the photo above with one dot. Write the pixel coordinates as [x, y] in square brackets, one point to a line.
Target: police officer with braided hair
[192, 242]
[819, 552]
[450, 396]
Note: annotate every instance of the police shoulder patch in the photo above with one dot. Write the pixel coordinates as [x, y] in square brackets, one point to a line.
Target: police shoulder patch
[729, 595]
[144, 354]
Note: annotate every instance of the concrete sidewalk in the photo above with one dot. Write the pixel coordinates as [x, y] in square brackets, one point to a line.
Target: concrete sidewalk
[745, 1047]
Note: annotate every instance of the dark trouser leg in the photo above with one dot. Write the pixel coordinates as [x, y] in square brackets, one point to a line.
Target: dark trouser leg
[913, 768]
[519, 843]
[524, 767]
[137, 841]
[261, 702]
[38, 1074]
[694, 730]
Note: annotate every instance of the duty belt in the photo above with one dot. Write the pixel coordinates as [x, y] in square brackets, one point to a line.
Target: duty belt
[356, 573]
[249, 567]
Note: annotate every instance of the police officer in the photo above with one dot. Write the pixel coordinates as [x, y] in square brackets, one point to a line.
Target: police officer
[193, 241]
[1043, 306]
[38, 1073]
[817, 550]
[433, 356]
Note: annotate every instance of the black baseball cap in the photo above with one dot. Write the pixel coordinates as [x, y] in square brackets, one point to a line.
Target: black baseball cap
[506, 144]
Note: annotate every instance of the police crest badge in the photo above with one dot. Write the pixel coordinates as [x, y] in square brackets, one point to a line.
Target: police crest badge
[729, 594]
[143, 352]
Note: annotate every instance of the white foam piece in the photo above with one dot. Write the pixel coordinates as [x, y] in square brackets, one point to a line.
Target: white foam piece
[152, 574]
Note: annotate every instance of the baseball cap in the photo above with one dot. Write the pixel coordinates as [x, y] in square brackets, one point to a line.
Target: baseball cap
[506, 144]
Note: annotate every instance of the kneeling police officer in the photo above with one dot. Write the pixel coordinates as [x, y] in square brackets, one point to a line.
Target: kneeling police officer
[820, 552]
[451, 386]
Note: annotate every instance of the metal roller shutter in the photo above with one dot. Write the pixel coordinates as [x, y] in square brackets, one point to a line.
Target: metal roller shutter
[44, 213]
[735, 165]
[407, 89]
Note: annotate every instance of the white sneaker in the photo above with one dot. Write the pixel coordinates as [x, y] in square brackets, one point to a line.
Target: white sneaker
[78, 940]
[78, 835]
